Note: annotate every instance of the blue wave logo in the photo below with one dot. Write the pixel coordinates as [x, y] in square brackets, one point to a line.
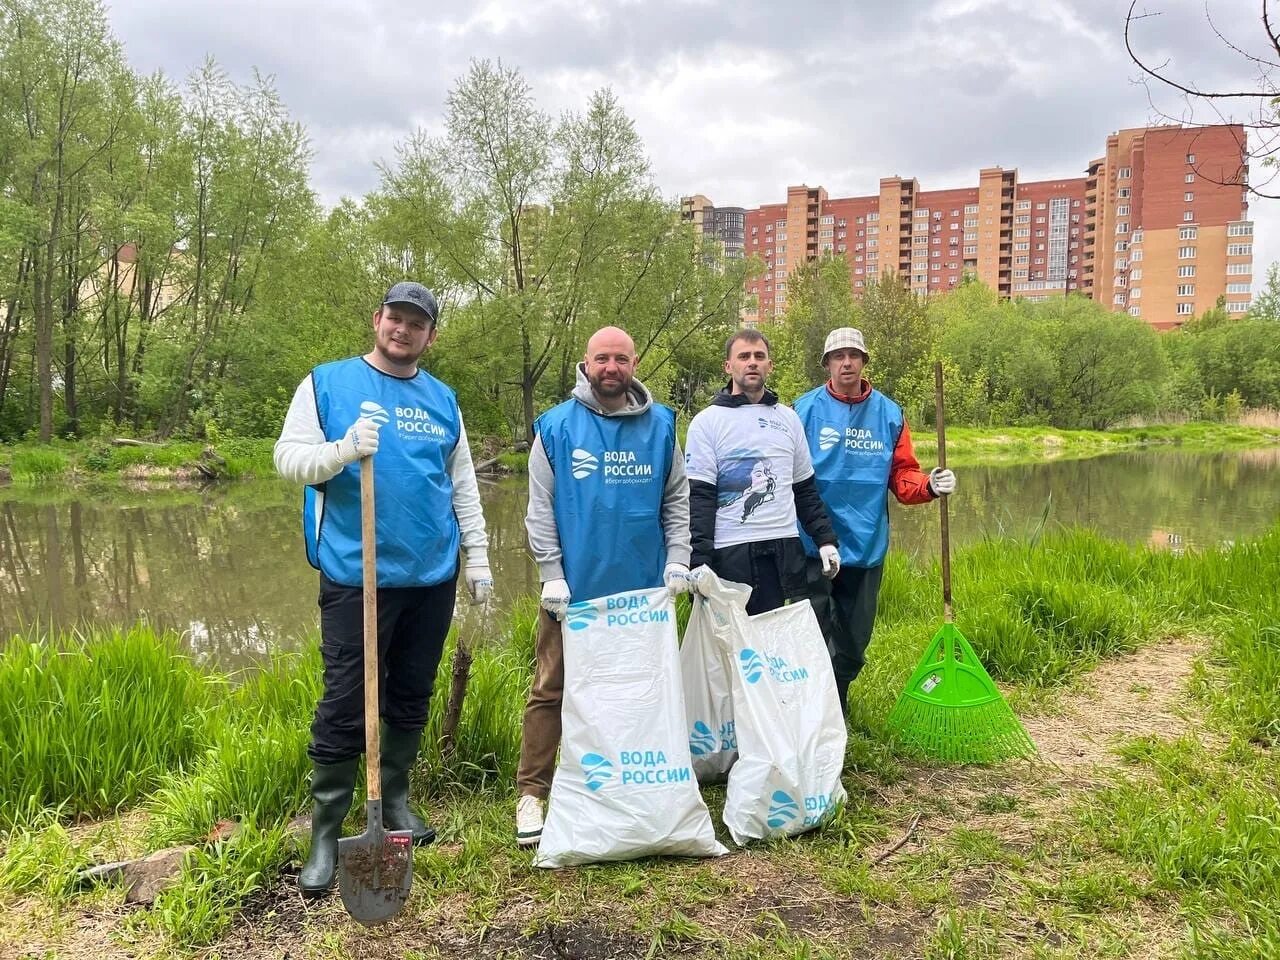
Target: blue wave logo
[581, 615]
[596, 771]
[782, 809]
[752, 665]
[371, 411]
[762, 421]
[828, 438]
[584, 464]
[701, 741]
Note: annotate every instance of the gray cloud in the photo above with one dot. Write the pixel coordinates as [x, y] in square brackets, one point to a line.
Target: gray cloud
[733, 99]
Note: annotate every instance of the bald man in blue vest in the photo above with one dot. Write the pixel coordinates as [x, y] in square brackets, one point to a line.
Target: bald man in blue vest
[608, 512]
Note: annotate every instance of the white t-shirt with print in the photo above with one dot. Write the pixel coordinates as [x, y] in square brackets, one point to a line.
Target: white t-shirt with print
[753, 454]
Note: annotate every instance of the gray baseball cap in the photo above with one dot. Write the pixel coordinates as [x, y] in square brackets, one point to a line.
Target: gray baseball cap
[414, 295]
[844, 338]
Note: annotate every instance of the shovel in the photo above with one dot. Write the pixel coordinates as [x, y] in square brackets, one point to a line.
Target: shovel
[375, 869]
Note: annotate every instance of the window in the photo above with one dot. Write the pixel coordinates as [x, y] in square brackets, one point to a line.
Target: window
[1186, 233]
[1189, 178]
[1040, 219]
[1118, 299]
[1239, 249]
[1188, 196]
[1022, 232]
[1188, 216]
[1186, 309]
[1122, 246]
[1234, 307]
[1040, 206]
[1238, 287]
[1025, 218]
[1187, 270]
[970, 222]
[1022, 246]
[1186, 289]
[922, 213]
[1135, 275]
[1137, 236]
[970, 251]
[1186, 253]
[1239, 229]
[1135, 255]
[1122, 210]
[1123, 193]
[1121, 263]
[971, 208]
[1135, 293]
[1191, 158]
[873, 217]
[1021, 261]
[1022, 205]
[1122, 226]
[1135, 311]
[1238, 269]
[1124, 173]
[827, 219]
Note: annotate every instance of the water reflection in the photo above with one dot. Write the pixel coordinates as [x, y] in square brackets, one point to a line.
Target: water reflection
[226, 568]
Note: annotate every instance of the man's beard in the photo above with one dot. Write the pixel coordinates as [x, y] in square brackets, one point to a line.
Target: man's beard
[609, 388]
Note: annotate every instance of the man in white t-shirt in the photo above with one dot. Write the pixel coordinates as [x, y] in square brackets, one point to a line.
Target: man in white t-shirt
[750, 481]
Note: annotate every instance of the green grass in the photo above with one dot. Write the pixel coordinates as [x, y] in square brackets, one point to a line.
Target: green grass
[92, 724]
[37, 465]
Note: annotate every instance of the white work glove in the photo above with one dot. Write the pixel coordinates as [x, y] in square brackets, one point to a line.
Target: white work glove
[942, 481]
[360, 441]
[699, 582]
[676, 578]
[555, 598]
[830, 556]
[479, 581]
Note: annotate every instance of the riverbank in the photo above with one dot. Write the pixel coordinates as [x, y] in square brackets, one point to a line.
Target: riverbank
[187, 463]
[1151, 683]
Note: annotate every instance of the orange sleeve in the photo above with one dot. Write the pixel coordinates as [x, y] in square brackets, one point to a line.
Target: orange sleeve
[908, 482]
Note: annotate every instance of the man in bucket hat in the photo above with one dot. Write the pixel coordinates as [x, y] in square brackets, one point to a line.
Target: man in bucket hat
[861, 449]
[381, 405]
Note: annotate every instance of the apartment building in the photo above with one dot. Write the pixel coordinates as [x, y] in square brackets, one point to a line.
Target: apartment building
[1158, 227]
[724, 224]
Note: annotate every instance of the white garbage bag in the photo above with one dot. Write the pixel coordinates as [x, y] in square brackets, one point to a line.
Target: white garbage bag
[708, 691]
[624, 787]
[791, 734]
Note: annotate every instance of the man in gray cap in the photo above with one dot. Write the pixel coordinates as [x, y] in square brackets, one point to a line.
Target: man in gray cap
[428, 507]
[861, 449]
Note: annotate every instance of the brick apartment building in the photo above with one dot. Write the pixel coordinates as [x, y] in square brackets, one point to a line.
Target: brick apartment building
[1158, 227]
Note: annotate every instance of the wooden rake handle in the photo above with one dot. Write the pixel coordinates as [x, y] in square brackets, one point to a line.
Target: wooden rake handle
[942, 500]
[369, 558]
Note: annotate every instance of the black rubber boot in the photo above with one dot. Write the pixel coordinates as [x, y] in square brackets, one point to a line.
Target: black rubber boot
[332, 785]
[399, 751]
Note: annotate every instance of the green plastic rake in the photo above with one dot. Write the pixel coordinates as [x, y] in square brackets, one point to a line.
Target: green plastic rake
[951, 709]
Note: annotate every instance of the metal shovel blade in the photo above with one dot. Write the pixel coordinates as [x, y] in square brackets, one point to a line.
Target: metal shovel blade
[375, 870]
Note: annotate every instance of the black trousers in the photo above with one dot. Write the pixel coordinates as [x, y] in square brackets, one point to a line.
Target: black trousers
[846, 611]
[412, 625]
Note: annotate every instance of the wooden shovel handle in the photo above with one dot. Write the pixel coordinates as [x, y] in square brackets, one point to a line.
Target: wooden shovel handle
[369, 557]
[942, 500]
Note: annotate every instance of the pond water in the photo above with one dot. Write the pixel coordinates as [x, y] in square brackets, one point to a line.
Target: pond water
[226, 569]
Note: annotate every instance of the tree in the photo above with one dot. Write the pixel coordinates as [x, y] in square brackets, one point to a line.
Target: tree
[820, 299]
[1258, 104]
[900, 339]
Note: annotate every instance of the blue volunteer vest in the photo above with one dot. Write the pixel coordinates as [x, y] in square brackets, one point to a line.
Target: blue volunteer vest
[417, 532]
[610, 473]
[852, 445]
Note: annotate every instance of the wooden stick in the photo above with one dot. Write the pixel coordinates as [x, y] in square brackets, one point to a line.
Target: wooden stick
[897, 846]
[942, 500]
[368, 550]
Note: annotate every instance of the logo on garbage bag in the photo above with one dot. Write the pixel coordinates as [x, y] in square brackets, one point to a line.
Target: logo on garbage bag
[596, 770]
[782, 810]
[372, 411]
[702, 741]
[755, 664]
[828, 438]
[581, 615]
[584, 464]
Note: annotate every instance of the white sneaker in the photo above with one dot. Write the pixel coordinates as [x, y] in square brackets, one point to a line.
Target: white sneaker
[528, 821]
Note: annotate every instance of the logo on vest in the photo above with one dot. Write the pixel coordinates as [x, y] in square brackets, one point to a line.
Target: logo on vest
[860, 440]
[412, 423]
[620, 466]
[828, 438]
[584, 464]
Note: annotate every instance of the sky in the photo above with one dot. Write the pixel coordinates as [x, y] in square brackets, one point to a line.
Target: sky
[734, 99]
